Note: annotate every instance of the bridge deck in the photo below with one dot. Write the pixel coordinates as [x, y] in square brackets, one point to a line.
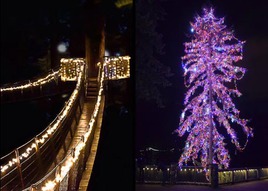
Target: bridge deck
[87, 111]
[90, 162]
[83, 122]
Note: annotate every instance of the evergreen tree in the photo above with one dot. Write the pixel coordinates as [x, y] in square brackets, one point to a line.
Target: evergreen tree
[210, 76]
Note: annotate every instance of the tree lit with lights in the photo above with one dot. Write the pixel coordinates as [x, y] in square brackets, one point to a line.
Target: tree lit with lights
[210, 74]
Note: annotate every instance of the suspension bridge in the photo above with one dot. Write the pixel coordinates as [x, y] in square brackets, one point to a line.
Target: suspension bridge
[62, 156]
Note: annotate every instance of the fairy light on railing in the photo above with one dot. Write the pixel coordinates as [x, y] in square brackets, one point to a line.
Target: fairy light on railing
[68, 72]
[73, 157]
[51, 129]
[38, 82]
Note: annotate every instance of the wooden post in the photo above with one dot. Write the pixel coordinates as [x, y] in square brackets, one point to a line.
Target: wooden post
[72, 174]
[40, 169]
[19, 167]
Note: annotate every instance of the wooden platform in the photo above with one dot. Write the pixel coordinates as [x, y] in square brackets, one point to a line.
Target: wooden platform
[90, 162]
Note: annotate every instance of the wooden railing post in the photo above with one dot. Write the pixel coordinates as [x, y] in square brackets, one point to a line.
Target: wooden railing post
[19, 167]
[40, 169]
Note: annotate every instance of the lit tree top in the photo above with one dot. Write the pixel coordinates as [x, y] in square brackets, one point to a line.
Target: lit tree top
[210, 76]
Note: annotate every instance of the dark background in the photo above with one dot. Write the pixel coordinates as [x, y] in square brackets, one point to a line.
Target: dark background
[28, 25]
[155, 125]
[30, 33]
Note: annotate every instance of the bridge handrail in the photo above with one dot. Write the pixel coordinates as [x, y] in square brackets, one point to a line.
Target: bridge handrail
[197, 175]
[49, 130]
[60, 171]
[51, 75]
[42, 132]
[26, 159]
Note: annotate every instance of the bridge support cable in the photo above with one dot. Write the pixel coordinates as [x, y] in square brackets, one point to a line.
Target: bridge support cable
[28, 151]
[72, 160]
[68, 172]
[30, 84]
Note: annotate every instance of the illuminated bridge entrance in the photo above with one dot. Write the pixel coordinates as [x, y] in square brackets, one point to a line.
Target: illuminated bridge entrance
[62, 156]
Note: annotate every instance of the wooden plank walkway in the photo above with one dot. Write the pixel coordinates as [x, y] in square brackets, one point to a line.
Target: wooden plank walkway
[83, 121]
[87, 111]
[81, 129]
[90, 162]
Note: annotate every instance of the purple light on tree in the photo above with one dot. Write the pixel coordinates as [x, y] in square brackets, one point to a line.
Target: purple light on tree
[210, 76]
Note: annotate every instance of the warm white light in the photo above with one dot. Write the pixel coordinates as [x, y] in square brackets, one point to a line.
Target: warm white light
[67, 165]
[39, 82]
[49, 186]
[68, 161]
[117, 67]
[59, 118]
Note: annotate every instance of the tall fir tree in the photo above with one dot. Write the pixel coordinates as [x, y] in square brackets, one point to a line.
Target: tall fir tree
[210, 76]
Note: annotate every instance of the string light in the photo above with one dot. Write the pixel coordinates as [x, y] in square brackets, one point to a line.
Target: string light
[208, 67]
[117, 67]
[54, 125]
[30, 84]
[68, 72]
[68, 68]
[71, 157]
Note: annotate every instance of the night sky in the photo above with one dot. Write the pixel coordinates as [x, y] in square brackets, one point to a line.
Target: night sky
[155, 126]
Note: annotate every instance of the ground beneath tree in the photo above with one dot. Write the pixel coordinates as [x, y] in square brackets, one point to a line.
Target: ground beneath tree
[261, 185]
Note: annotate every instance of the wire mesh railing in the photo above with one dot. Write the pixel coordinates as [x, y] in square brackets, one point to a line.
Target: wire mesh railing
[68, 172]
[21, 167]
[27, 166]
[36, 88]
[25, 84]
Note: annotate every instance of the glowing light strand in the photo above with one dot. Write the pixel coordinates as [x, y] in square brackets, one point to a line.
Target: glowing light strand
[53, 126]
[35, 83]
[71, 158]
[212, 53]
[117, 67]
